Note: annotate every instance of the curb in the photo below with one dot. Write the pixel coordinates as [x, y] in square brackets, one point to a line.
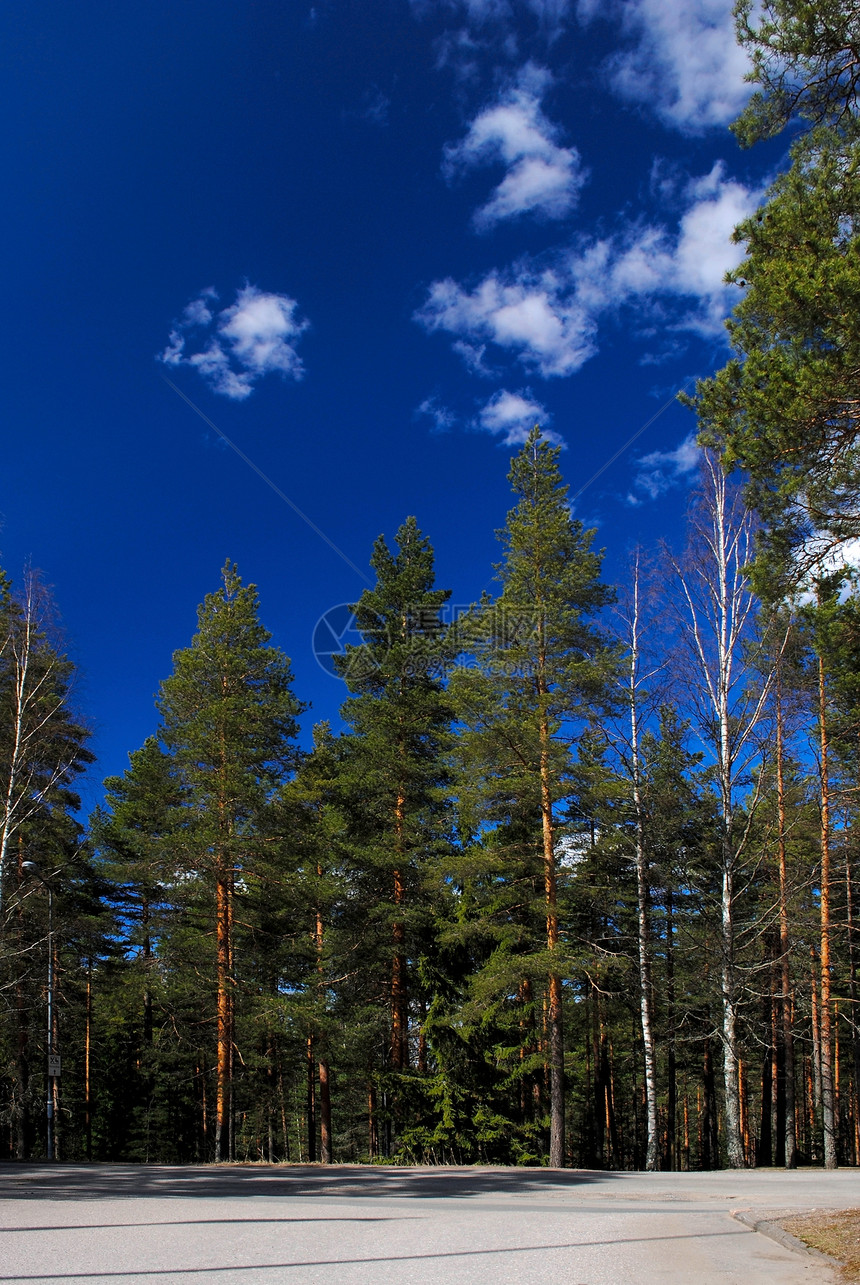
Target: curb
[771, 1228]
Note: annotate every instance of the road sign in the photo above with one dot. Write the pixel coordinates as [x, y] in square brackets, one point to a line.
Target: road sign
[53, 1064]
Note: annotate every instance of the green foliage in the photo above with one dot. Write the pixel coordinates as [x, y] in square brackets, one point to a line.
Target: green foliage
[784, 409]
[805, 60]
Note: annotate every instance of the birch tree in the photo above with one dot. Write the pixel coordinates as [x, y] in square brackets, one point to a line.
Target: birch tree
[717, 616]
[42, 744]
[629, 745]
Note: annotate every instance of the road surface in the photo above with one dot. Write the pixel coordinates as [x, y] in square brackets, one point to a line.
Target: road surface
[345, 1225]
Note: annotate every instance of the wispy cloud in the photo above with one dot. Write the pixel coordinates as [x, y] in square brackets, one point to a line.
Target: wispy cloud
[661, 470]
[441, 416]
[373, 107]
[546, 313]
[512, 416]
[235, 347]
[476, 11]
[550, 13]
[543, 178]
[680, 58]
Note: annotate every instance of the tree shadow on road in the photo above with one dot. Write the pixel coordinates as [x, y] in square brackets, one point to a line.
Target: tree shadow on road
[111, 1182]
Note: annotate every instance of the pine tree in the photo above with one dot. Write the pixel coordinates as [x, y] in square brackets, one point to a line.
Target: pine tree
[784, 408]
[229, 723]
[805, 56]
[544, 669]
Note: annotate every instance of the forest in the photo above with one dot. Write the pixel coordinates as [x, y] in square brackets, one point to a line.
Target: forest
[577, 883]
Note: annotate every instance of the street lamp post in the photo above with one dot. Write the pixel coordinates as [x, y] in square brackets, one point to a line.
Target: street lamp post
[32, 868]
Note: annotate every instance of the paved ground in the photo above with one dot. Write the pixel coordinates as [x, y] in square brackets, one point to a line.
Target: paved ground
[162, 1225]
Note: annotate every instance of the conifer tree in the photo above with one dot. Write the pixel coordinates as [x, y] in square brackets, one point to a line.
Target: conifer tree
[132, 833]
[784, 408]
[805, 56]
[229, 723]
[544, 668]
[392, 770]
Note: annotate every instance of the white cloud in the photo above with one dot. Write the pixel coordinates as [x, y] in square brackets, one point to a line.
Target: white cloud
[822, 555]
[690, 263]
[542, 177]
[443, 418]
[512, 416]
[532, 313]
[548, 316]
[681, 59]
[232, 349]
[661, 470]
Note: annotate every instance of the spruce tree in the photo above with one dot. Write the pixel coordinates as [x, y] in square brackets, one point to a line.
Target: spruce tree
[393, 773]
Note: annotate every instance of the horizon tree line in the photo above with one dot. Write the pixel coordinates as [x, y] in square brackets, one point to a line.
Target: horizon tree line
[555, 894]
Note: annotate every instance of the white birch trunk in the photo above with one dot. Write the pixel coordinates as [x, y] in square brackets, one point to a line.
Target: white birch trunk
[719, 612]
[643, 890]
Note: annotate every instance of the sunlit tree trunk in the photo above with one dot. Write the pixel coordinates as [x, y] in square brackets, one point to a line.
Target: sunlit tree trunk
[555, 1017]
[643, 890]
[325, 1085]
[719, 610]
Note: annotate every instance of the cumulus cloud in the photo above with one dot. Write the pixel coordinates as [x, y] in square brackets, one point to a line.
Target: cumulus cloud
[680, 58]
[690, 263]
[532, 313]
[547, 315]
[542, 177]
[234, 348]
[512, 416]
[661, 470]
[824, 556]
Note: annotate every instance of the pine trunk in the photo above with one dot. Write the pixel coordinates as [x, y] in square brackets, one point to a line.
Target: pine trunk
[325, 1085]
[223, 914]
[555, 1018]
[311, 1069]
[399, 1009]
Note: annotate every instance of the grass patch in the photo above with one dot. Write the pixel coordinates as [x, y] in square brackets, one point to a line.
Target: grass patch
[834, 1233]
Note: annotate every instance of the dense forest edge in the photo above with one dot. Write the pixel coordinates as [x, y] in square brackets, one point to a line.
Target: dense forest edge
[577, 883]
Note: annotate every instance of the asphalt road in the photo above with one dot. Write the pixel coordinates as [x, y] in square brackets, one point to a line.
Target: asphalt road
[165, 1225]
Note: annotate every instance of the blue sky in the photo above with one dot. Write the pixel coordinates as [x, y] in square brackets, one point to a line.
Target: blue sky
[372, 241]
